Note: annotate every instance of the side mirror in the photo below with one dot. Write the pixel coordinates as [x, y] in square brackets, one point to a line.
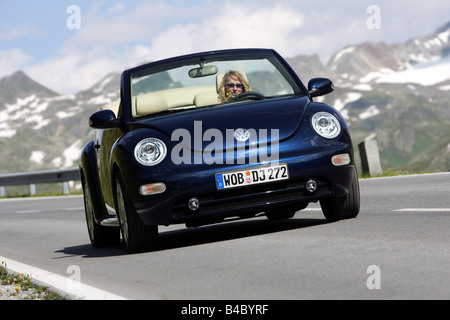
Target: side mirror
[319, 87]
[104, 119]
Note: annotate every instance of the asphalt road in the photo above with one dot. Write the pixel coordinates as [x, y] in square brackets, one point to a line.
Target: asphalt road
[397, 248]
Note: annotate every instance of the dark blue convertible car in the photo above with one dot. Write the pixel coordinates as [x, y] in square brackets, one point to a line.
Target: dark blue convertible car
[207, 137]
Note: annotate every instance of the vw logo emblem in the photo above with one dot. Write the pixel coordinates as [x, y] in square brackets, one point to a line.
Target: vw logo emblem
[241, 134]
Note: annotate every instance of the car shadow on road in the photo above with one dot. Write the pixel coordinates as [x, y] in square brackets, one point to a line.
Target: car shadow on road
[88, 251]
[229, 231]
[185, 237]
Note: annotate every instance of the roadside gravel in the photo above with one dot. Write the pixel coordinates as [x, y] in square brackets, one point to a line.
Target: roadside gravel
[15, 286]
[9, 292]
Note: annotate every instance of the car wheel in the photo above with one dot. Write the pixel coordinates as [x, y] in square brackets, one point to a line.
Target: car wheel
[100, 236]
[345, 207]
[136, 235]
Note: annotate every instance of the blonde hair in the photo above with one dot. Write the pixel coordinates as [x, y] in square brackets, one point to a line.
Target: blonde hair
[239, 76]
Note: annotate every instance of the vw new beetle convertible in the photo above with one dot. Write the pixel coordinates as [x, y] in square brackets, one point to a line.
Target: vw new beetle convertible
[208, 137]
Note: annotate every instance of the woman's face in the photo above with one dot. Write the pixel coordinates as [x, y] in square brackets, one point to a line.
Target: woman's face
[233, 86]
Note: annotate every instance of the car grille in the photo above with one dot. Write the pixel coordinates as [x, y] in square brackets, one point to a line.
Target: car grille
[255, 197]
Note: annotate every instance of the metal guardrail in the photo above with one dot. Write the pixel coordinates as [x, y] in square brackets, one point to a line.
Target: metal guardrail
[33, 178]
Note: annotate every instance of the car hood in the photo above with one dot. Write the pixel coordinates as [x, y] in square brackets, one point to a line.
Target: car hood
[272, 120]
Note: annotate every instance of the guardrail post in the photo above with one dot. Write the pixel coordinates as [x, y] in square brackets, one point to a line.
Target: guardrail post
[65, 185]
[32, 189]
[370, 157]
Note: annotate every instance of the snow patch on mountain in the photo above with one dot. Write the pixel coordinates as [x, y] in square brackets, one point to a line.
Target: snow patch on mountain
[69, 113]
[37, 157]
[72, 154]
[6, 131]
[69, 156]
[100, 88]
[341, 53]
[350, 97]
[444, 88]
[100, 100]
[439, 40]
[362, 87]
[375, 75]
[426, 74]
[39, 120]
[29, 109]
[370, 112]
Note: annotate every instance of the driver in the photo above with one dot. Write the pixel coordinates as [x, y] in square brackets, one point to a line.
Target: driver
[233, 84]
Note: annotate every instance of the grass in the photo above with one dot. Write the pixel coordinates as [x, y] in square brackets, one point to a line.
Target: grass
[23, 283]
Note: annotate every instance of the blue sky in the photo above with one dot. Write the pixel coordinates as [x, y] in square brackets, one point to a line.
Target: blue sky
[114, 35]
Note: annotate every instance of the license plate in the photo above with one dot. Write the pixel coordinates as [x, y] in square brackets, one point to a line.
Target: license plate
[252, 176]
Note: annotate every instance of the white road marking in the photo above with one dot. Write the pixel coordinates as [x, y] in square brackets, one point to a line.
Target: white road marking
[424, 209]
[74, 209]
[40, 211]
[20, 199]
[59, 283]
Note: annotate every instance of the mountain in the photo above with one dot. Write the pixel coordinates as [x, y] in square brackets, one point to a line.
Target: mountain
[398, 63]
[42, 130]
[400, 92]
[18, 85]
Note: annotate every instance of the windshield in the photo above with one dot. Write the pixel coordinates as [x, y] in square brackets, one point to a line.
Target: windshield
[178, 87]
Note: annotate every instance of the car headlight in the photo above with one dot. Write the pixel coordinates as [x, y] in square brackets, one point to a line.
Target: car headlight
[326, 125]
[150, 152]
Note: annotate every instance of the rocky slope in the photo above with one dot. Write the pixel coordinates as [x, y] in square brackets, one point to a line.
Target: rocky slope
[401, 92]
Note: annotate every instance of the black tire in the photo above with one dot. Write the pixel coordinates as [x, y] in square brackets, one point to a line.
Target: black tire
[136, 236]
[346, 207]
[99, 235]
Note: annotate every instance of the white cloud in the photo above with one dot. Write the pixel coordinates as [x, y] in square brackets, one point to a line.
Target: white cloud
[17, 32]
[124, 34]
[75, 72]
[119, 7]
[85, 59]
[236, 26]
[119, 26]
[13, 60]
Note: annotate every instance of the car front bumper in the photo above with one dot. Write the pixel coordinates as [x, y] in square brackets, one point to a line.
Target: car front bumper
[185, 183]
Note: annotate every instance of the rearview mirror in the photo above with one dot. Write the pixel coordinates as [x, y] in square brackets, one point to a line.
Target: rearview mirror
[319, 87]
[202, 71]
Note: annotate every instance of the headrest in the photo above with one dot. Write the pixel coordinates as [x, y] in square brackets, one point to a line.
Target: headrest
[150, 103]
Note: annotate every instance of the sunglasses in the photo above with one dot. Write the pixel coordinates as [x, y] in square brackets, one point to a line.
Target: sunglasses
[232, 85]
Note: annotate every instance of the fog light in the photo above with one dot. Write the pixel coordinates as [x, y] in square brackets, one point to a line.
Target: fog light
[311, 185]
[194, 204]
[341, 159]
[153, 188]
